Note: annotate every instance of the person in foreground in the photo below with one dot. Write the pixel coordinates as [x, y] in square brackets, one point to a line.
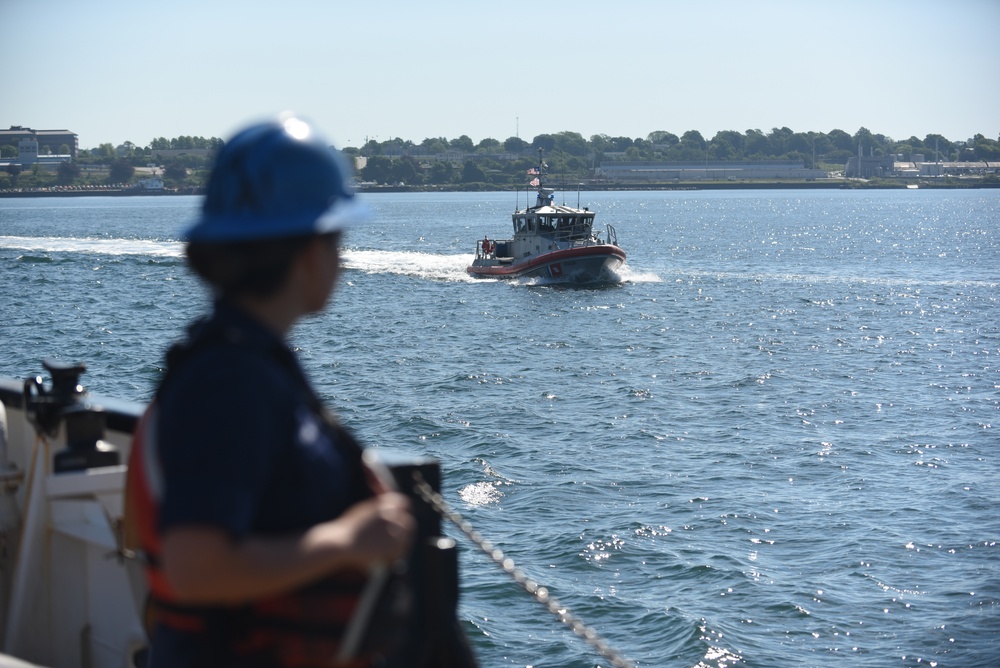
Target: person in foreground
[258, 518]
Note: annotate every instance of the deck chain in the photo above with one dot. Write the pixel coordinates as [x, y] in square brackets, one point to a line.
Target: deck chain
[539, 592]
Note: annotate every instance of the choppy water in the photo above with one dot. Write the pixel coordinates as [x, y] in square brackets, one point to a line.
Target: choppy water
[775, 443]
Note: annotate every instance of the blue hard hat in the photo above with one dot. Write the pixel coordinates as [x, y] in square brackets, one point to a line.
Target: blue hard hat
[276, 179]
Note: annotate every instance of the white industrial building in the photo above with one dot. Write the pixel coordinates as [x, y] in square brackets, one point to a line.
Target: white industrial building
[659, 172]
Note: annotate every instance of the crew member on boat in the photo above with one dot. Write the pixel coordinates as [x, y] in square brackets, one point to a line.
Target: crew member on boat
[258, 518]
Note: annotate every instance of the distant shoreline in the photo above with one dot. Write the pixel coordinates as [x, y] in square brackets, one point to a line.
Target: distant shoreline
[837, 184]
[833, 184]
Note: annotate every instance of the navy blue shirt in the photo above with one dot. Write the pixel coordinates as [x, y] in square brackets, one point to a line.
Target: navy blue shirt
[244, 447]
[241, 443]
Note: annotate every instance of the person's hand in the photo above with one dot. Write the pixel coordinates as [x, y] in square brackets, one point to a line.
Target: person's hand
[382, 528]
[204, 565]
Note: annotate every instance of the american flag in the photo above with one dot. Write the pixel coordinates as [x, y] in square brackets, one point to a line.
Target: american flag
[532, 171]
[534, 182]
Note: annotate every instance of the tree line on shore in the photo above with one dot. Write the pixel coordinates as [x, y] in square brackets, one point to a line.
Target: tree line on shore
[570, 155]
[438, 161]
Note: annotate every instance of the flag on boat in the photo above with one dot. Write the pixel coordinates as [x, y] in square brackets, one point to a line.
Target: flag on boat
[532, 171]
[534, 182]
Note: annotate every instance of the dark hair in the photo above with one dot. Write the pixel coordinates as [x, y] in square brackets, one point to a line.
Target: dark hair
[249, 268]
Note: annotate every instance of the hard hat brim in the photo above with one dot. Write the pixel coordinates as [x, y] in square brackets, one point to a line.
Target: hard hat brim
[343, 214]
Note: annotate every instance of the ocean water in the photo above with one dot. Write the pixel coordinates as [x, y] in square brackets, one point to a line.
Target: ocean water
[776, 442]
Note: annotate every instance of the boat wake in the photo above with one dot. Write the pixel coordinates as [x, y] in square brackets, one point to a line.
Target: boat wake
[451, 267]
[620, 276]
[431, 266]
[145, 247]
[629, 275]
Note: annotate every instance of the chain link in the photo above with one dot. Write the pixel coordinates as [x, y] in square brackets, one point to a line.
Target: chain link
[539, 592]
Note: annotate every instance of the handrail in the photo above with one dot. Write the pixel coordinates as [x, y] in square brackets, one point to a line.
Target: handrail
[612, 234]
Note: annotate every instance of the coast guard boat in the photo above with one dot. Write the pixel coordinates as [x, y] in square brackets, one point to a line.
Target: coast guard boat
[551, 241]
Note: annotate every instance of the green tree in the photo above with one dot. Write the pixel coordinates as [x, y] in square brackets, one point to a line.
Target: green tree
[778, 140]
[864, 138]
[378, 169]
[405, 170]
[15, 172]
[8, 151]
[488, 145]
[601, 143]
[434, 145]
[544, 142]
[691, 147]
[515, 145]
[906, 150]
[619, 144]
[842, 141]
[463, 144]
[471, 173]
[822, 143]
[726, 145]
[800, 142]
[839, 157]
[67, 172]
[985, 149]
[645, 148]
[175, 171]
[693, 139]
[938, 143]
[121, 171]
[663, 137]
[572, 143]
[755, 144]
[441, 172]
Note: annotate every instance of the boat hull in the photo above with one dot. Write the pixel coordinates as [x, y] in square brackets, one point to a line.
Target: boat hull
[589, 264]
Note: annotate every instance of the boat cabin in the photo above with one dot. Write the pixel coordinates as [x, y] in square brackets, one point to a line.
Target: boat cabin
[558, 226]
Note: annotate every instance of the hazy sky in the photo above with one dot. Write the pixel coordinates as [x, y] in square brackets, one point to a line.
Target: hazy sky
[117, 70]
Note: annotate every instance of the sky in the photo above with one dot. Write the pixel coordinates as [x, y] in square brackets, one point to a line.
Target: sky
[119, 70]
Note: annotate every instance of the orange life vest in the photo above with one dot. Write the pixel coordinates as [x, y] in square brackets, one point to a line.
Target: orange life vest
[300, 629]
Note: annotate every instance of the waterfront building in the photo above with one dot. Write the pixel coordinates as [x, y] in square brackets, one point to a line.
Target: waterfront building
[713, 170]
[47, 142]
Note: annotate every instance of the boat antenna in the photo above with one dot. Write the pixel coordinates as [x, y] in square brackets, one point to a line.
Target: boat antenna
[537, 182]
